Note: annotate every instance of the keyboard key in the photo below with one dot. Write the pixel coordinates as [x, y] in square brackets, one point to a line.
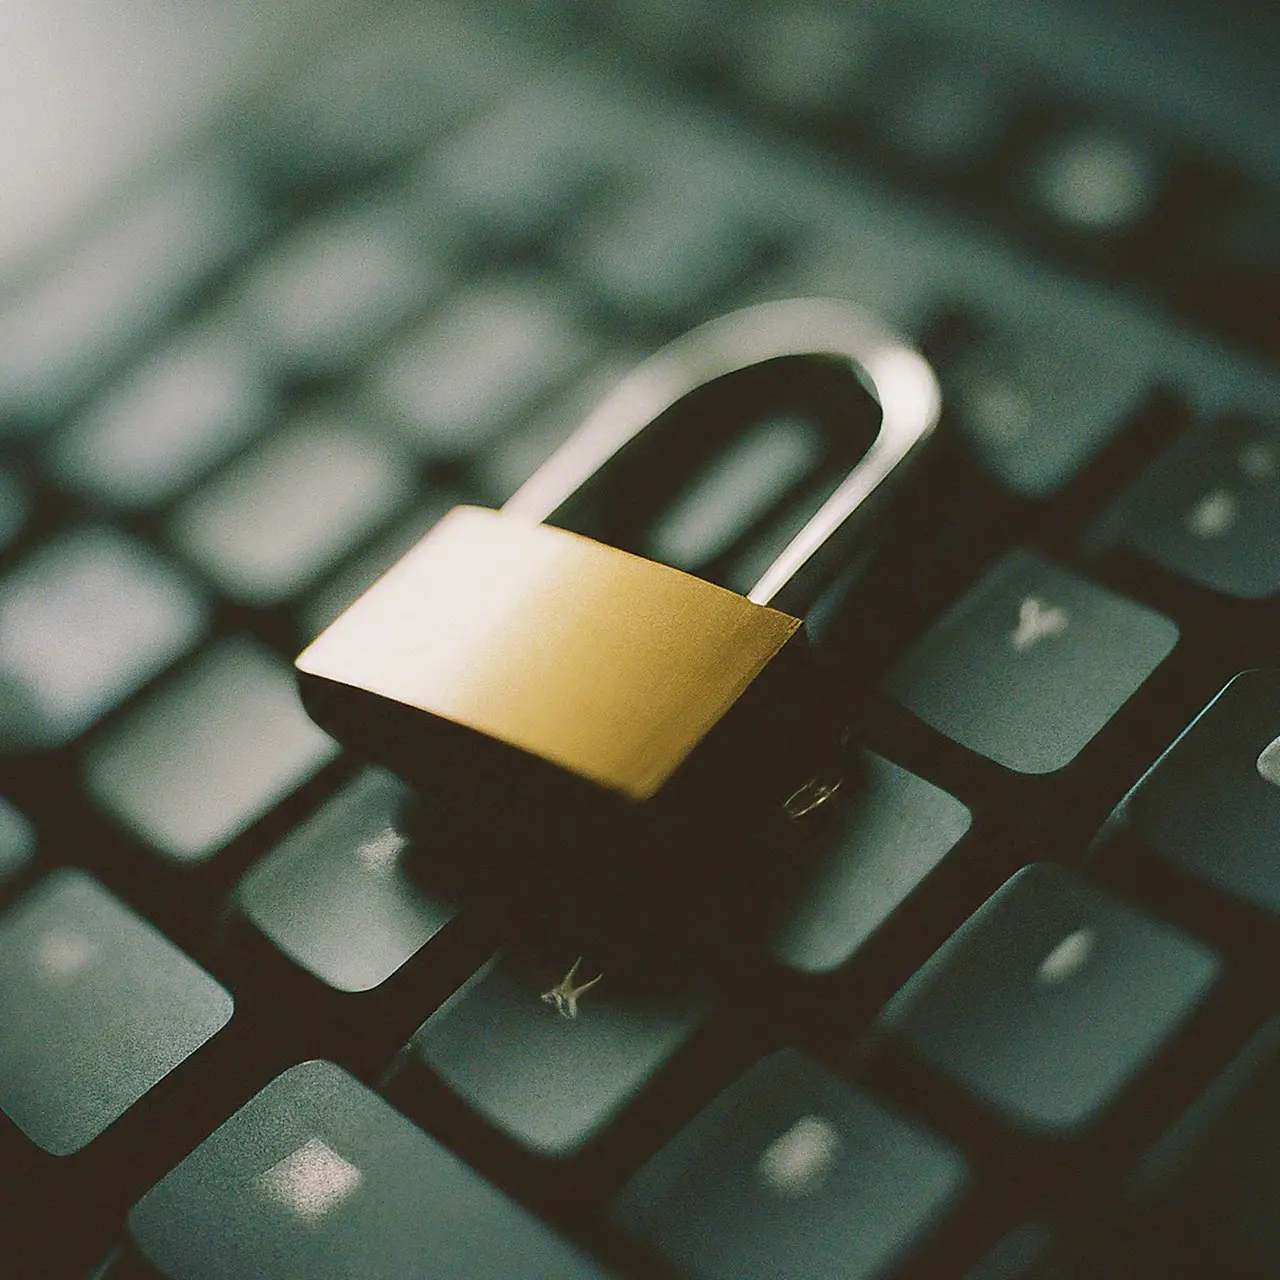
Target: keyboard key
[792, 1172]
[277, 519]
[1031, 664]
[318, 1177]
[96, 1007]
[84, 621]
[322, 296]
[208, 754]
[895, 830]
[57, 337]
[17, 842]
[168, 421]
[1051, 999]
[1209, 509]
[494, 350]
[524, 168]
[390, 87]
[1038, 396]
[814, 59]
[335, 896]
[1095, 180]
[680, 240]
[548, 1054]
[1211, 804]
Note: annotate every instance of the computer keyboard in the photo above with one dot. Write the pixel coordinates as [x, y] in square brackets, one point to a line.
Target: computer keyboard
[1013, 1018]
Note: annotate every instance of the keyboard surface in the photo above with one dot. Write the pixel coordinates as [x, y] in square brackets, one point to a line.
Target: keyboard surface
[1012, 1013]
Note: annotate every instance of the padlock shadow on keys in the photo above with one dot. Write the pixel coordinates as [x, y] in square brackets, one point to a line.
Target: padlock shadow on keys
[611, 750]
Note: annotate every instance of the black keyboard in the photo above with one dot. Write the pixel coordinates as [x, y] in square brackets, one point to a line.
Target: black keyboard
[1016, 1017]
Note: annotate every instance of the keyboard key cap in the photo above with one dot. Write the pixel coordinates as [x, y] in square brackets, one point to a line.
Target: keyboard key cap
[1095, 180]
[56, 338]
[524, 168]
[277, 519]
[1211, 804]
[208, 754]
[84, 621]
[495, 349]
[335, 896]
[318, 1177]
[896, 829]
[17, 842]
[1039, 397]
[548, 1054]
[96, 1007]
[168, 421]
[792, 1172]
[321, 297]
[1031, 664]
[685, 237]
[1051, 999]
[1209, 509]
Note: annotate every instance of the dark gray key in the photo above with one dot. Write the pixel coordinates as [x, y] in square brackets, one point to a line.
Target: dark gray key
[96, 1008]
[317, 1178]
[1031, 664]
[792, 1172]
[1051, 998]
[1209, 509]
[896, 829]
[335, 897]
[1211, 803]
[209, 754]
[85, 620]
[549, 1056]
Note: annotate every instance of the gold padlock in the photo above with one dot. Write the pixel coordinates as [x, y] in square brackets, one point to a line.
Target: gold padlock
[592, 718]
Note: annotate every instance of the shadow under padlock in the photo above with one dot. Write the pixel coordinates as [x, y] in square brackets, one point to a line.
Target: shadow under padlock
[610, 749]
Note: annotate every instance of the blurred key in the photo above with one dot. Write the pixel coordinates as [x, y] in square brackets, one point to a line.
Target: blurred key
[336, 897]
[96, 1007]
[895, 830]
[1051, 999]
[682, 238]
[1031, 664]
[524, 168]
[323, 295]
[278, 518]
[491, 353]
[792, 1172]
[1209, 509]
[548, 1054]
[84, 621]
[1039, 396]
[1211, 804]
[383, 92]
[1096, 180]
[167, 421]
[59, 335]
[17, 842]
[208, 754]
[317, 1177]
[815, 59]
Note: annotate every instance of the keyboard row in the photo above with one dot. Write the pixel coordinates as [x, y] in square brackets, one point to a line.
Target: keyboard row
[1066, 1022]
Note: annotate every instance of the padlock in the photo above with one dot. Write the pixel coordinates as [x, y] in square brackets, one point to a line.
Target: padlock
[603, 736]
